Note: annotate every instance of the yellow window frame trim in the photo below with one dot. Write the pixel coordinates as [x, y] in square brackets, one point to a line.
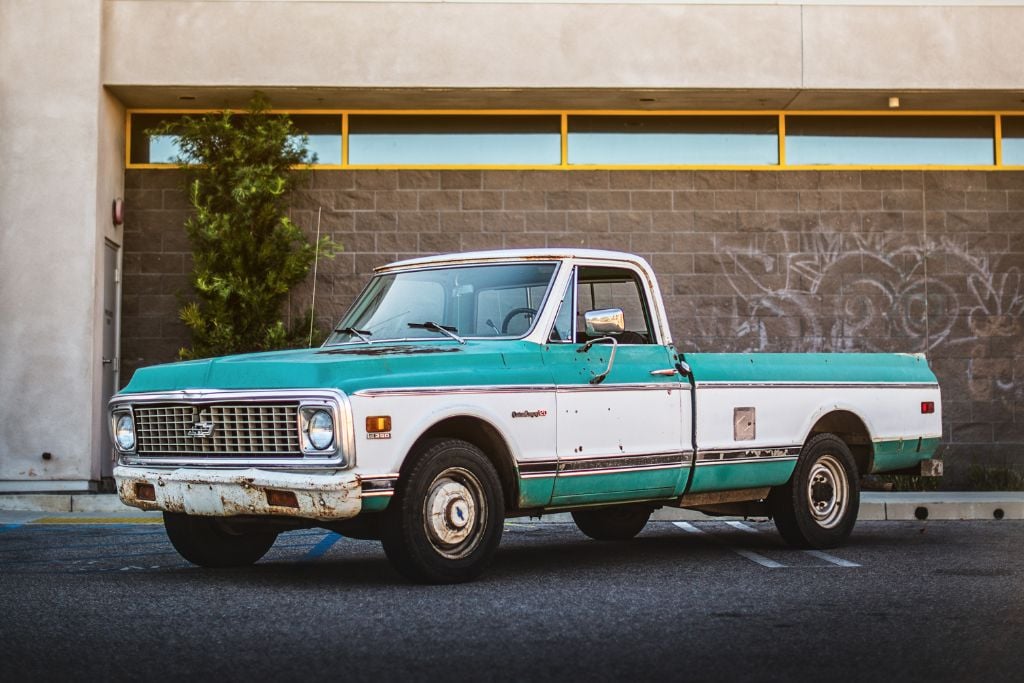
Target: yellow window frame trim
[564, 114]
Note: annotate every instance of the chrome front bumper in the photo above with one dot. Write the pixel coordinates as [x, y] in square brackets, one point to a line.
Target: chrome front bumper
[231, 492]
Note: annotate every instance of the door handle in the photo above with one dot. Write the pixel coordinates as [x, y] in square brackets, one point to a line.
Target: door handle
[108, 361]
[667, 372]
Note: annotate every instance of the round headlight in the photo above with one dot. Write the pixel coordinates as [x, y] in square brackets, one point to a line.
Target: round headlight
[124, 432]
[321, 430]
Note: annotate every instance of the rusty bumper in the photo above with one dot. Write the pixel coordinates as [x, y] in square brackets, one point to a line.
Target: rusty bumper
[226, 493]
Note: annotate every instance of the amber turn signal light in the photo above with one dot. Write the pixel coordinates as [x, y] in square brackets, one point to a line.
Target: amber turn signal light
[378, 423]
[927, 407]
[145, 492]
[282, 499]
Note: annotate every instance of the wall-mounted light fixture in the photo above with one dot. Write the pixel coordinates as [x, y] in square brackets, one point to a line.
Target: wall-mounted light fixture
[117, 211]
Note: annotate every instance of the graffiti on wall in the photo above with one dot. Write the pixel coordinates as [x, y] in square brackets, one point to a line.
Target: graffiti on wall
[876, 292]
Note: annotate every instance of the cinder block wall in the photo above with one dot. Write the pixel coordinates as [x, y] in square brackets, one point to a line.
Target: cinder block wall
[904, 261]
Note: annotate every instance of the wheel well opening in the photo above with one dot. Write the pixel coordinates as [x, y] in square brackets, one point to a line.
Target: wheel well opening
[854, 433]
[483, 436]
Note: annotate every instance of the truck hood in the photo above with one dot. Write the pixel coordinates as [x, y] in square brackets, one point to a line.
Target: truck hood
[351, 367]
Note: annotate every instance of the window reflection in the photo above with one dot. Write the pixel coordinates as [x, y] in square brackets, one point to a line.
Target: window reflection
[1013, 140]
[674, 140]
[152, 149]
[890, 140]
[323, 132]
[467, 140]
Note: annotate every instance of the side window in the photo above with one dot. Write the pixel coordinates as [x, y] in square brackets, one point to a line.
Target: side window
[562, 329]
[599, 288]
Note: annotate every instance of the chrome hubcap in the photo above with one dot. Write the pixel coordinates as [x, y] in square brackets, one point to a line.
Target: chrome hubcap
[453, 512]
[827, 491]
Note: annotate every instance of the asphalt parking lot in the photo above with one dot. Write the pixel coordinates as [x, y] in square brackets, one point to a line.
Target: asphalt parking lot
[701, 600]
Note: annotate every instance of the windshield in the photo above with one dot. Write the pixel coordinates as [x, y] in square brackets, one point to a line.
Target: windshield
[488, 301]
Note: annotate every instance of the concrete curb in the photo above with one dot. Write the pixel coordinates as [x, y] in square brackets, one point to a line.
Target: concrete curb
[947, 505]
[934, 505]
[63, 502]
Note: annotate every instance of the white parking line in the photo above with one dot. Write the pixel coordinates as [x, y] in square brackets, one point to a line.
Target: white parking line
[831, 558]
[752, 556]
[760, 559]
[813, 553]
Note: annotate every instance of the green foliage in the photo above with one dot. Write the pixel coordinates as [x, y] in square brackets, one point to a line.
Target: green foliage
[247, 253]
[911, 482]
[981, 478]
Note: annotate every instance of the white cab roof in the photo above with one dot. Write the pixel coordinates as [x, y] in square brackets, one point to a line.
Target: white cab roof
[557, 254]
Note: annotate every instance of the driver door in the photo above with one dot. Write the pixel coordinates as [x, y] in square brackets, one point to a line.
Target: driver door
[619, 437]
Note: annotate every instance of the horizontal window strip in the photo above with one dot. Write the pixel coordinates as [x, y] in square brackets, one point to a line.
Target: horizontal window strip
[612, 140]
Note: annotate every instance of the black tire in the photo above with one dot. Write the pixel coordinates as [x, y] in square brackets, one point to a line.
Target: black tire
[618, 523]
[818, 506]
[209, 542]
[445, 521]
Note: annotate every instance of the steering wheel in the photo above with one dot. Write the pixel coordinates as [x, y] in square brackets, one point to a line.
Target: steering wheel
[522, 310]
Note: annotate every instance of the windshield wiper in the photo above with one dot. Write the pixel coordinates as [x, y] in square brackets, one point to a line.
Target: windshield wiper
[437, 327]
[351, 331]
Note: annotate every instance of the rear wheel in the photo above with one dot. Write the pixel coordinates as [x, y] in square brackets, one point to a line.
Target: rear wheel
[619, 523]
[210, 542]
[818, 506]
[446, 519]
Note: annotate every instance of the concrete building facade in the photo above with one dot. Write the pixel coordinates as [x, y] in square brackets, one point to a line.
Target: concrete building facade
[774, 256]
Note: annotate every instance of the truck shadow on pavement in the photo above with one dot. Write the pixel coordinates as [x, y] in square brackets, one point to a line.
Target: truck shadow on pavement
[560, 553]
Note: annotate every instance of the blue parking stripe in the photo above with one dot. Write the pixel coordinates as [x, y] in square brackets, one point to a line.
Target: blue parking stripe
[323, 546]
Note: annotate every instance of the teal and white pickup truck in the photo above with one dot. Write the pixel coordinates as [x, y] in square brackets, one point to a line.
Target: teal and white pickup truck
[463, 389]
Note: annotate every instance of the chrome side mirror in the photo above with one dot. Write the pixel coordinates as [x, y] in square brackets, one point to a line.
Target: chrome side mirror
[604, 321]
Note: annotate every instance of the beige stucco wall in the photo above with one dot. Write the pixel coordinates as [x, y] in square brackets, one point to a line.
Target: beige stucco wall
[49, 230]
[450, 45]
[954, 48]
[552, 45]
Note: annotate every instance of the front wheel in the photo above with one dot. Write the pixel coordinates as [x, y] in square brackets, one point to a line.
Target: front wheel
[818, 506]
[209, 542]
[619, 523]
[446, 519]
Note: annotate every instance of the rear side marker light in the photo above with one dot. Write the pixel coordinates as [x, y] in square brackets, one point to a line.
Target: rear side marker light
[145, 492]
[282, 499]
[927, 407]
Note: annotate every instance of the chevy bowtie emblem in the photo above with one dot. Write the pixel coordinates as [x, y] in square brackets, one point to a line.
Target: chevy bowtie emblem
[200, 430]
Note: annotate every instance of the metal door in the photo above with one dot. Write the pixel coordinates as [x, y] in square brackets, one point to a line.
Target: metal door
[110, 359]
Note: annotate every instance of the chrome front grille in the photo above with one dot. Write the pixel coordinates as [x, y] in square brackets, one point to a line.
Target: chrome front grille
[218, 429]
